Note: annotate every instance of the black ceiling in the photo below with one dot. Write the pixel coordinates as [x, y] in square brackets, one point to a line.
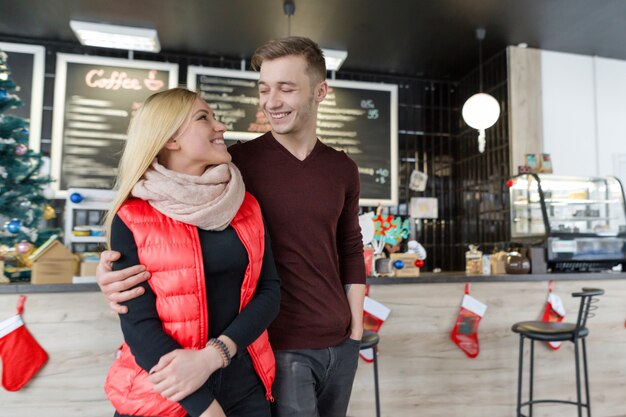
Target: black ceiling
[425, 38]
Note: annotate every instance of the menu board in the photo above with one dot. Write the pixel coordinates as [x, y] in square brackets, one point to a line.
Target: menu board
[26, 63]
[95, 98]
[358, 118]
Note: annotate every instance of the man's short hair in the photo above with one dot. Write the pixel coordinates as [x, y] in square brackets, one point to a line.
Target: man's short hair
[293, 45]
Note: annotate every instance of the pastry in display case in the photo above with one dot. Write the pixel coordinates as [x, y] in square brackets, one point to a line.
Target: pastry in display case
[581, 221]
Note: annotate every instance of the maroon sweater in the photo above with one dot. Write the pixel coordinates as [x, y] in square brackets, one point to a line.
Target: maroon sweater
[311, 209]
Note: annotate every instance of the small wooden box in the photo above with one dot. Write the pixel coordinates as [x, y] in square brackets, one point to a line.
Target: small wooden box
[409, 269]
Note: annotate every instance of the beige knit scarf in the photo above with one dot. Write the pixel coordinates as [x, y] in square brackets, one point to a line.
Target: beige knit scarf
[209, 201]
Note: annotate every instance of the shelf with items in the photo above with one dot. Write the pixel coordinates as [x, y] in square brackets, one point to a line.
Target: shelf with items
[89, 239]
[85, 209]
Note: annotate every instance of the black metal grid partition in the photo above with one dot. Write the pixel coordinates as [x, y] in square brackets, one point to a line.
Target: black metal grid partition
[480, 179]
[470, 187]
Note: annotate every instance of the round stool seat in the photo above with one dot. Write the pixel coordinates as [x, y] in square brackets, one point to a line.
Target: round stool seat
[548, 331]
[369, 339]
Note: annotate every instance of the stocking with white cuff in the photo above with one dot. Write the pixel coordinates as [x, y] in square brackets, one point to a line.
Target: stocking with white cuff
[465, 331]
[20, 353]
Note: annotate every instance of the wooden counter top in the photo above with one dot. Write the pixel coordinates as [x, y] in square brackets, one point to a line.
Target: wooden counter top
[425, 278]
[461, 277]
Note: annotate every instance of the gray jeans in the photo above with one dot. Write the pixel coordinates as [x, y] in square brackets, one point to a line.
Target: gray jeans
[315, 382]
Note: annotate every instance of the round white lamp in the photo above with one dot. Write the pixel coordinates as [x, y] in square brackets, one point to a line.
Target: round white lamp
[481, 111]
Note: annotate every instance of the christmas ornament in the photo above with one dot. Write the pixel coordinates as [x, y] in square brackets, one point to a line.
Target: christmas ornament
[419, 263]
[554, 311]
[22, 357]
[23, 247]
[76, 198]
[21, 149]
[48, 212]
[465, 331]
[48, 193]
[13, 226]
[3, 94]
[399, 264]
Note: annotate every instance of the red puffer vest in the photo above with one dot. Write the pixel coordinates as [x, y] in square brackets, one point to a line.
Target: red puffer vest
[171, 250]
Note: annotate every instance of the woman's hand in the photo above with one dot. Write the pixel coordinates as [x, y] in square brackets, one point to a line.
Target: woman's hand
[183, 371]
[214, 410]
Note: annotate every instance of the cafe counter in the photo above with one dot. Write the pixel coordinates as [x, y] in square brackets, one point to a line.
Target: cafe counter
[421, 371]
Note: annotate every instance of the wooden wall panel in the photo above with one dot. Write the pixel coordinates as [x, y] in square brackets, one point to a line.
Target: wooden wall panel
[422, 372]
[526, 110]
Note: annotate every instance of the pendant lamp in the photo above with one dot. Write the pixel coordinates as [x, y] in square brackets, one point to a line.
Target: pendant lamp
[481, 110]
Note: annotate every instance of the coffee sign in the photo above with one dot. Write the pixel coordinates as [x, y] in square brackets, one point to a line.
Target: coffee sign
[95, 99]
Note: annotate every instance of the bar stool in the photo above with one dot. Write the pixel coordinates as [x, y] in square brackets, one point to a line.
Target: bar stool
[369, 340]
[558, 332]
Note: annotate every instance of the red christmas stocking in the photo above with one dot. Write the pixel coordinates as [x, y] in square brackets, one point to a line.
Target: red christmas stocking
[374, 315]
[21, 355]
[553, 311]
[465, 331]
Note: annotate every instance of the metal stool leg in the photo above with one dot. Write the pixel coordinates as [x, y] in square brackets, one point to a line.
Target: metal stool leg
[519, 375]
[586, 378]
[532, 377]
[375, 355]
[579, 403]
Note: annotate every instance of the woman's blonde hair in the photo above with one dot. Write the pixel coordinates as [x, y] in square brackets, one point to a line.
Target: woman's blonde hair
[158, 120]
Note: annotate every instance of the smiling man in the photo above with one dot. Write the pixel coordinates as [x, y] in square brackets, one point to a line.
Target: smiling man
[309, 194]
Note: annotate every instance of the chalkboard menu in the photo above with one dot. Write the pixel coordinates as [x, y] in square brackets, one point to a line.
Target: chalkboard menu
[358, 118]
[26, 63]
[95, 98]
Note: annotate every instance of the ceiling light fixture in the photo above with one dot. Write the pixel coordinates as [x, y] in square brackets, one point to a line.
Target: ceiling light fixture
[481, 110]
[104, 35]
[334, 58]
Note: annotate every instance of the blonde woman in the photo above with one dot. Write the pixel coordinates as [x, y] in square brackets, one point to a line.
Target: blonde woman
[195, 341]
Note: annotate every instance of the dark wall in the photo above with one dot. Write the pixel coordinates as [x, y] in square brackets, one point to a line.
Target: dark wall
[470, 187]
[480, 191]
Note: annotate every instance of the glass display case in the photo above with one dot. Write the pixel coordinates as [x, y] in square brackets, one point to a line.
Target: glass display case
[581, 221]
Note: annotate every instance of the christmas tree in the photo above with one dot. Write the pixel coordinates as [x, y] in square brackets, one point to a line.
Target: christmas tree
[22, 204]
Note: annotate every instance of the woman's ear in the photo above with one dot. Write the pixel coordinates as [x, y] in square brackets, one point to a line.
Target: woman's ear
[171, 145]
